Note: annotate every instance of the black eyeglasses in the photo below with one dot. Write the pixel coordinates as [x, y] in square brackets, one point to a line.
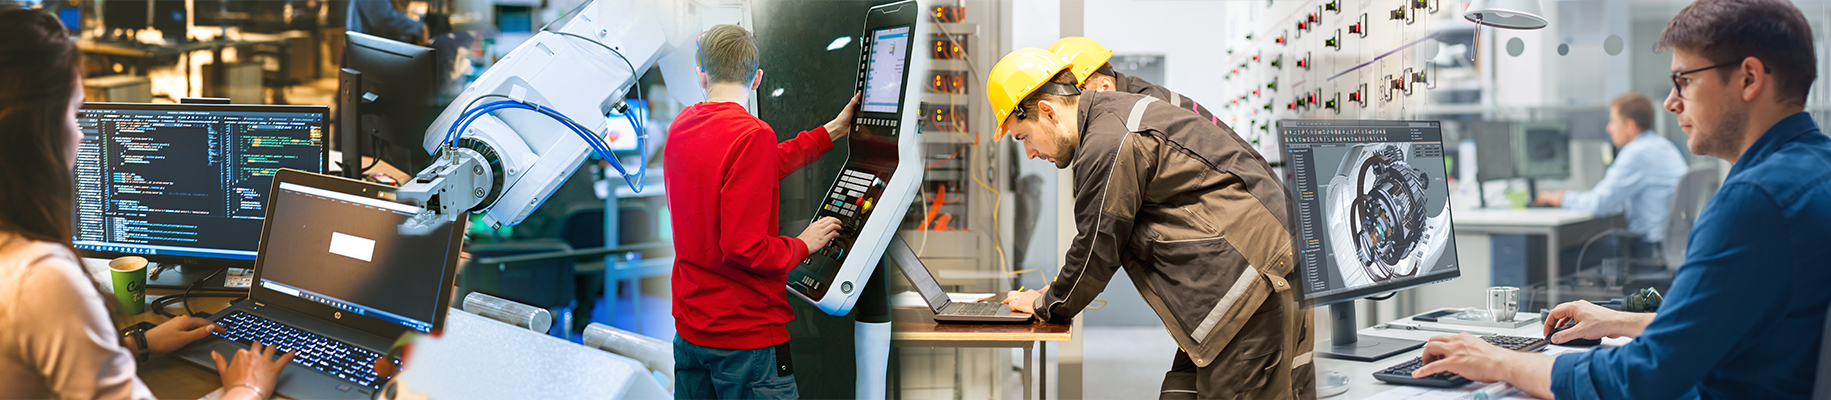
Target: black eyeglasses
[1679, 80]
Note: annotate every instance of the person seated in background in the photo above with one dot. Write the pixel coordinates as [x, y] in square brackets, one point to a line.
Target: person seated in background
[57, 333]
[1745, 318]
[1640, 181]
[384, 19]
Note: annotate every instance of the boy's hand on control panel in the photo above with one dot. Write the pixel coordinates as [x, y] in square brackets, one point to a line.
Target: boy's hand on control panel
[820, 233]
[841, 126]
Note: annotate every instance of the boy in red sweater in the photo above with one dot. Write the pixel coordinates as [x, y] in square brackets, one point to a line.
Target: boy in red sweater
[731, 268]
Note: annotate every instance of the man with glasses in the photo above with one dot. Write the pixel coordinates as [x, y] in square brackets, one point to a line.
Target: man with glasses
[1746, 313]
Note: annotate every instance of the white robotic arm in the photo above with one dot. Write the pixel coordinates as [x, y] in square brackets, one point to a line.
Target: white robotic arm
[517, 133]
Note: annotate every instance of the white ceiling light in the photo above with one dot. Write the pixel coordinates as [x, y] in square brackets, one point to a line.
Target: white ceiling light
[1506, 14]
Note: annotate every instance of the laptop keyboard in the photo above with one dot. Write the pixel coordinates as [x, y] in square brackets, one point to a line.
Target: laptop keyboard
[351, 363]
[973, 309]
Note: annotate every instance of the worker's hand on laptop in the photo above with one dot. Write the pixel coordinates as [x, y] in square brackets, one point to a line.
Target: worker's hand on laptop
[842, 124]
[1593, 322]
[177, 332]
[820, 233]
[1024, 301]
[1553, 198]
[253, 373]
[1466, 355]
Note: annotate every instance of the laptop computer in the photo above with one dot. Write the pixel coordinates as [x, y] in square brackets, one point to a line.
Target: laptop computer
[946, 310]
[337, 281]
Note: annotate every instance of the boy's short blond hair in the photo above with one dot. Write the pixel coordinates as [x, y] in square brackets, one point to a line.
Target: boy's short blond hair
[728, 53]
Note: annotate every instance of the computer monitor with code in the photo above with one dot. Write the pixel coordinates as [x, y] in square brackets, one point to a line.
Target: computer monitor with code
[186, 183]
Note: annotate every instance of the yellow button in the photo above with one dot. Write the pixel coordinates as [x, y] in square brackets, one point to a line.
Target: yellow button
[867, 204]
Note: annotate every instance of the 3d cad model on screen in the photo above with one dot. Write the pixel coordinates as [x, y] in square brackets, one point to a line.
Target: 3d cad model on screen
[1388, 231]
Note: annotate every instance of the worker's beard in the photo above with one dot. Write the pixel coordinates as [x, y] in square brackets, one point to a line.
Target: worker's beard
[1064, 150]
[1724, 138]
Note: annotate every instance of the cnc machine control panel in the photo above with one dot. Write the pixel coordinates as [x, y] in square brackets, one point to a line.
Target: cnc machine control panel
[881, 171]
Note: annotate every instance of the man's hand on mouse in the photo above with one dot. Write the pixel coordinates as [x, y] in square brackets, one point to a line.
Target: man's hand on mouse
[1592, 322]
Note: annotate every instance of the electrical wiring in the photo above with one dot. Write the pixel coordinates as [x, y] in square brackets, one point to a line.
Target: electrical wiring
[631, 114]
[470, 116]
[193, 286]
[597, 144]
[972, 172]
[950, 157]
[633, 74]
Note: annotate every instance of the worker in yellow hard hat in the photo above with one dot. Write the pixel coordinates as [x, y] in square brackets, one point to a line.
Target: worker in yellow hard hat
[1192, 214]
[1092, 71]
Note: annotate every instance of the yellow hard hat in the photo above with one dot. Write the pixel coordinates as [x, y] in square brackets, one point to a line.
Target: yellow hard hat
[1016, 76]
[1085, 54]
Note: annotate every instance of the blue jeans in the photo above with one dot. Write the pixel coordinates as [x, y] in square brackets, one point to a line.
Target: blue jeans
[707, 373]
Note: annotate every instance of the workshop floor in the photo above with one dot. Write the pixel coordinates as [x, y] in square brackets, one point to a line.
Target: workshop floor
[1125, 362]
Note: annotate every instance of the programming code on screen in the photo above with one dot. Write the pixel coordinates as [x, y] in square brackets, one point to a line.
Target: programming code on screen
[185, 182]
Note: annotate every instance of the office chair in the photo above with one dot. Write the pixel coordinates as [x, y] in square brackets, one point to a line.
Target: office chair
[1694, 190]
[1688, 198]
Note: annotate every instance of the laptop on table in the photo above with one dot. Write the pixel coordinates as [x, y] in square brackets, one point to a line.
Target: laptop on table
[337, 281]
[946, 310]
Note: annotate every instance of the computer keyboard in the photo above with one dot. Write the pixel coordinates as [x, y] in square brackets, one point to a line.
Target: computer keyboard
[1517, 343]
[1401, 374]
[334, 357]
[973, 309]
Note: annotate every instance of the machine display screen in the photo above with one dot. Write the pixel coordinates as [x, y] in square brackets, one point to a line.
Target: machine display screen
[884, 76]
[1372, 206]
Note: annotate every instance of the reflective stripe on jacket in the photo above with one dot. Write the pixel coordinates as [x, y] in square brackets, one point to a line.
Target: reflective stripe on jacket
[1133, 84]
[1200, 224]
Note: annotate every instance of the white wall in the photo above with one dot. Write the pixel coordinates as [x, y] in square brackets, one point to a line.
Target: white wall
[1187, 33]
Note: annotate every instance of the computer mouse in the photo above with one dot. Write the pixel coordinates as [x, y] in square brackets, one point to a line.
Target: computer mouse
[1572, 342]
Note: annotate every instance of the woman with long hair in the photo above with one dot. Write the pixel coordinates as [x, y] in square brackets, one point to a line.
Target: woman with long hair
[57, 336]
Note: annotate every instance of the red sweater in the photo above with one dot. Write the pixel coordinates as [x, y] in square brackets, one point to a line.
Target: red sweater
[730, 267]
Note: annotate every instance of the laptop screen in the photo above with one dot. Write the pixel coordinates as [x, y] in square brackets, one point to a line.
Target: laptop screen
[346, 251]
[905, 258]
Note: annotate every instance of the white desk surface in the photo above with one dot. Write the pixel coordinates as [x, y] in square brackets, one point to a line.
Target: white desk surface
[1361, 383]
[1545, 217]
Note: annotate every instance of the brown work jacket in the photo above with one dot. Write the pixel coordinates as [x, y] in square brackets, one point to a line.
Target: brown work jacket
[1198, 221]
[1133, 84]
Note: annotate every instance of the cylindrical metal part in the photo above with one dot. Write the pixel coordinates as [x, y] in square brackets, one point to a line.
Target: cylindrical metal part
[533, 318]
[654, 353]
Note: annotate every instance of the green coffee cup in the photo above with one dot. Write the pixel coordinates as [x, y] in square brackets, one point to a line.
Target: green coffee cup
[129, 276]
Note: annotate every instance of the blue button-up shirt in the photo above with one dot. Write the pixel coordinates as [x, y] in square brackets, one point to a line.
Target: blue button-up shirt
[1640, 182]
[1746, 312]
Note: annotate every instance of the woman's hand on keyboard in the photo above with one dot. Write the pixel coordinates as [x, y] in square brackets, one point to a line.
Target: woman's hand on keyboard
[253, 369]
[177, 332]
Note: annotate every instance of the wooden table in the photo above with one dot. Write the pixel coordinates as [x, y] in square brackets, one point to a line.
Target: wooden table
[1035, 335]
